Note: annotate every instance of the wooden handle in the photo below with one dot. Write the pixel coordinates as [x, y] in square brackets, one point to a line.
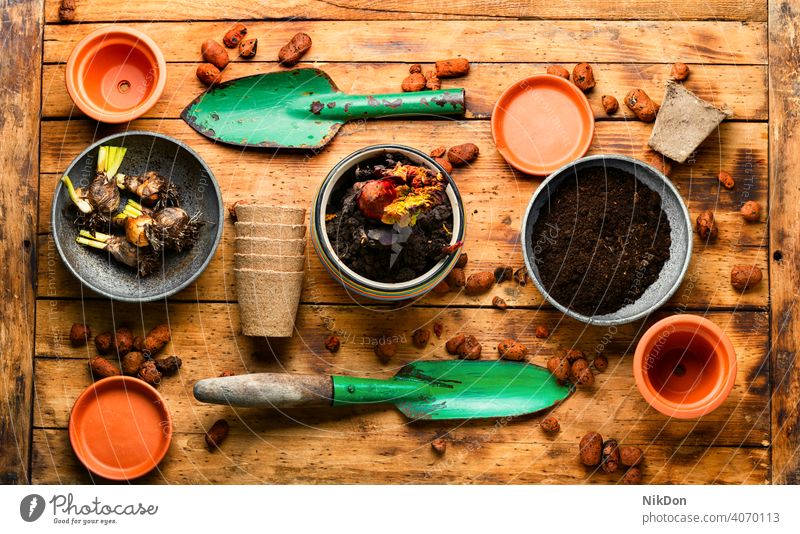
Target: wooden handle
[267, 390]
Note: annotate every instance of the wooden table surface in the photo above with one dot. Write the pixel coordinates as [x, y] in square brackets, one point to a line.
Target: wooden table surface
[739, 55]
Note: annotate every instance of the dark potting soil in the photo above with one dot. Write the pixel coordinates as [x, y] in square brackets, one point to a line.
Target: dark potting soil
[378, 251]
[601, 242]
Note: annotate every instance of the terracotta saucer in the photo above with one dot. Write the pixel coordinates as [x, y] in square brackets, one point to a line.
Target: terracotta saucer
[541, 123]
[120, 428]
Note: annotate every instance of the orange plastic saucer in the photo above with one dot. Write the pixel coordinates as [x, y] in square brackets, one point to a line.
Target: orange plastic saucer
[120, 428]
[541, 123]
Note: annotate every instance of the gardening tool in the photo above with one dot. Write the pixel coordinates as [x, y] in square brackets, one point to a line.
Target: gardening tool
[300, 108]
[455, 389]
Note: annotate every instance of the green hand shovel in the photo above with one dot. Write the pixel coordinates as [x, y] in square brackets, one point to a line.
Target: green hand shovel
[455, 389]
[300, 108]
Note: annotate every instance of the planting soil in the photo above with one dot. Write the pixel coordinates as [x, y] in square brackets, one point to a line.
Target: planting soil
[601, 241]
[390, 221]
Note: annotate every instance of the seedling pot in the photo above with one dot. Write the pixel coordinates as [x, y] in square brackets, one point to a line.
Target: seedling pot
[355, 282]
[685, 366]
[115, 74]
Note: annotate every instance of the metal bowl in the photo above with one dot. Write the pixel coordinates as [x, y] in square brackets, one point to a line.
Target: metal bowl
[199, 194]
[672, 272]
[358, 284]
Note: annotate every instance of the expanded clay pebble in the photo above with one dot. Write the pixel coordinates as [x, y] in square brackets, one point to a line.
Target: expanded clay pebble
[438, 328]
[456, 277]
[610, 456]
[706, 226]
[470, 349]
[542, 332]
[641, 105]
[66, 11]
[385, 350]
[432, 81]
[294, 50]
[726, 180]
[452, 68]
[217, 434]
[462, 260]
[550, 425]
[248, 48]
[157, 339]
[581, 374]
[102, 368]
[208, 74]
[630, 456]
[508, 349]
[751, 211]
[168, 365]
[104, 342]
[413, 82]
[680, 71]
[478, 283]
[214, 53]
[591, 449]
[420, 337]
[79, 334]
[583, 77]
[131, 363]
[499, 303]
[610, 104]
[744, 277]
[600, 363]
[124, 340]
[452, 344]
[558, 70]
[332, 343]
[235, 35]
[559, 367]
[463, 153]
[502, 274]
[149, 373]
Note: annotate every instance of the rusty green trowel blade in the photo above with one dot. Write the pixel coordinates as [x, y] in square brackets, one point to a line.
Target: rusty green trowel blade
[457, 389]
[300, 108]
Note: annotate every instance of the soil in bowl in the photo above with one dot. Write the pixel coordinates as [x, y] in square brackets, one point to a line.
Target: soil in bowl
[601, 241]
[379, 242]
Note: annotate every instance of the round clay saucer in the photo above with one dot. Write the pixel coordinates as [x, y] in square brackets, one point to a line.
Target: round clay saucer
[541, 123]
[120, 428]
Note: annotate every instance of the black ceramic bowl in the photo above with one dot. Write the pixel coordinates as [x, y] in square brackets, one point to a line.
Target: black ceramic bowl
[199, 193]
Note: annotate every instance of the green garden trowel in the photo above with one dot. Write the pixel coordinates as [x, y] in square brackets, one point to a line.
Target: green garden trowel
[455, 389]
[300, 108]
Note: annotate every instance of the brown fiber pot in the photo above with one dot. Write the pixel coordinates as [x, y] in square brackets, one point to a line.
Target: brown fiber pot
[115, 74]
[685, 366]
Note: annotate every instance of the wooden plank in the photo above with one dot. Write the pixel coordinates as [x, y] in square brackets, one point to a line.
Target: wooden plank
[494, 196]
[20, 100]
[707, 283]
[93, 11]
[740, 148]
[482, 457]
[784, 98]
[505, 41]
[612, 405]
[742, 88]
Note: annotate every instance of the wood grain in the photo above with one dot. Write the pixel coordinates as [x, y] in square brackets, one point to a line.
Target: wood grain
[707, 283]
[742, 87]
[94, 11]
[337, 444]
[208, 340]
[784, 97]
[20, 99]
[483, 457]
[503, 41]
